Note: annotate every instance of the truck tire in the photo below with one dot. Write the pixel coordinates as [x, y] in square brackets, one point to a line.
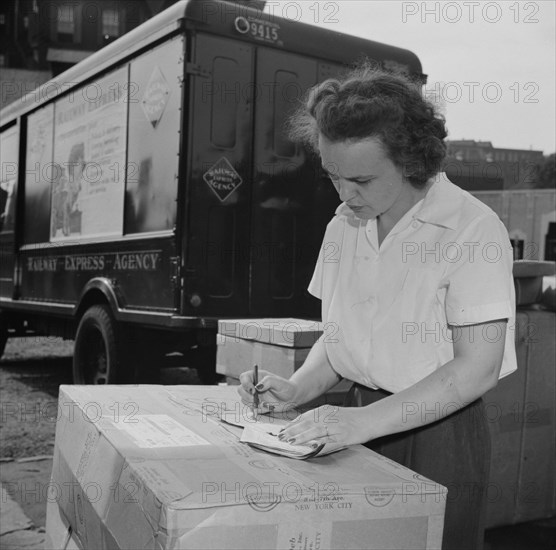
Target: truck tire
[98, 354]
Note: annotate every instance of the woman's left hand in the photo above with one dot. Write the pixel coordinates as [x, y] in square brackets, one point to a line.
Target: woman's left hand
[338, 426]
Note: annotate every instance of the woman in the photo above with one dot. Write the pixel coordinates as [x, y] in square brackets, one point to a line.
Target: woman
[416, 274]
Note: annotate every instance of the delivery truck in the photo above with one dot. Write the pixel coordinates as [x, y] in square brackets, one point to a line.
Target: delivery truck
[151, 189]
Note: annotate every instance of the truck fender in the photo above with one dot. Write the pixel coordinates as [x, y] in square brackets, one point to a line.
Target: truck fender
[99, 290]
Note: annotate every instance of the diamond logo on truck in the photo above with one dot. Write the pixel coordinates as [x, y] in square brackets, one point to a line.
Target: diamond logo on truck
[222, 178]
[155, 97]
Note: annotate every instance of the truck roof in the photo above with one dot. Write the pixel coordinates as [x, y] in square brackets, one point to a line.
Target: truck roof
[226, 19]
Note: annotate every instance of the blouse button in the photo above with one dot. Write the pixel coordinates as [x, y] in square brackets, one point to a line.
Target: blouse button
[415, 224]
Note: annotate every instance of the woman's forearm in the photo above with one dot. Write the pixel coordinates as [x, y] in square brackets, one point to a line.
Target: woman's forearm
[448, 389]
[473, 371]
[315, 376]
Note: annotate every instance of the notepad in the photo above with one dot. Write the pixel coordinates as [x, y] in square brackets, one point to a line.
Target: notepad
[245, 418]
[269, 442]
[262, 433]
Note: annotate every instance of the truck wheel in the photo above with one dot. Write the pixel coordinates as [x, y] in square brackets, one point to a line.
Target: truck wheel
[97, 358]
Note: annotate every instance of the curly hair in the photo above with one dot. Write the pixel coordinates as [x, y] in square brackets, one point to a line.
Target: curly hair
[369, 102]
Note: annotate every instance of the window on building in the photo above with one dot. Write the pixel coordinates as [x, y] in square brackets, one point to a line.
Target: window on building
[65, 23]
[110, 24]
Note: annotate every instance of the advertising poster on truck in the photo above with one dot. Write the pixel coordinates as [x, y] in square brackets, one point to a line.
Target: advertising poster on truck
[89, 160]
[41, 174]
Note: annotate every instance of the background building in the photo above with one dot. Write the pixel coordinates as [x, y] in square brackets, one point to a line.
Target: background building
[39, 40]
[478, 165]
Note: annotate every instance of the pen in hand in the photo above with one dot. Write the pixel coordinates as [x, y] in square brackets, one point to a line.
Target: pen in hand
[256, 394]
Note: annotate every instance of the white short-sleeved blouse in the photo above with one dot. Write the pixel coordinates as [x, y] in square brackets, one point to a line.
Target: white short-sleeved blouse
[392, 309]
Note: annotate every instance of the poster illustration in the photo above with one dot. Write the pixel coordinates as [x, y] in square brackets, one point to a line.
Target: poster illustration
[39, 174]
[8, 178]
[88, 176]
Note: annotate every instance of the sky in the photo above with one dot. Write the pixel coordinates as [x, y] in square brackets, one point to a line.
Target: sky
[490, 64]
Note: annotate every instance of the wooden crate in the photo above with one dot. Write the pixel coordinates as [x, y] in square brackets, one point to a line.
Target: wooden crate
[522, 422]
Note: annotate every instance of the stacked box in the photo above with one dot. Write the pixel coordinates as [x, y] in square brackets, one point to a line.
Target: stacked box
[287, 331]
[236, 355]
[279, 346]
[152, 467]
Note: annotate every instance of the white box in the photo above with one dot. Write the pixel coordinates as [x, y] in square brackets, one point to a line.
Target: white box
[59, 534]
[235, 355]
[290, 332]
[152, 467]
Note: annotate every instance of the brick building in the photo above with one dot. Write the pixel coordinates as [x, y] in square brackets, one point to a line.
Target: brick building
[39, 39]
[478, 165]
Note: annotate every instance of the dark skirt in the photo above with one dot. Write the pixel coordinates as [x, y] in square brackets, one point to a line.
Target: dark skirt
[454, 452]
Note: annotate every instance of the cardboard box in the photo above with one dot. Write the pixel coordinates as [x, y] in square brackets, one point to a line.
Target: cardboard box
[276, 345]
[59, 534]
[151, 467]
[236, 355]
[289, 332]
[279, 346]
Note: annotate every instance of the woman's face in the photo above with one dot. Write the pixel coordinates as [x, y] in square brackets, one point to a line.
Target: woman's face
[365, 178]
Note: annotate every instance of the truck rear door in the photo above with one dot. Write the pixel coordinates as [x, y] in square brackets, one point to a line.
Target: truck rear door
[257, 205]
[292, 202]
[217, 214]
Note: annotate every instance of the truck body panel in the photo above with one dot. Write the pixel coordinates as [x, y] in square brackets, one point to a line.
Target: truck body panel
[156, 176]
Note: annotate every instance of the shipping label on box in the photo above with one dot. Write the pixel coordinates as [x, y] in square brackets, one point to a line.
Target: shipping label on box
[153, 467]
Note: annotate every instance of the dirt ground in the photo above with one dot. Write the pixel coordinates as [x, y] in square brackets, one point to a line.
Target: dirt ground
[31, 371]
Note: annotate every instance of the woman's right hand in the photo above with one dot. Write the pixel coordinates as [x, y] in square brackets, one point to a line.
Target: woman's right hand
[276, 394]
